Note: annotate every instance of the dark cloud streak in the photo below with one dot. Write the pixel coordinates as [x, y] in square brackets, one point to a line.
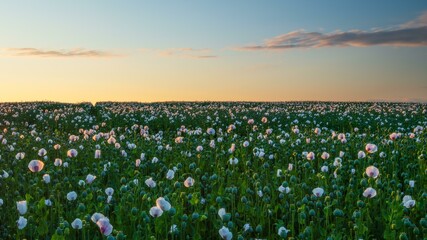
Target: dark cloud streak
[411, 34]
[74, 53]
[205, 56]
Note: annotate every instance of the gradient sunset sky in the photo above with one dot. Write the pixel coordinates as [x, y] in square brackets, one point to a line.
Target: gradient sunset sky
[246, 50]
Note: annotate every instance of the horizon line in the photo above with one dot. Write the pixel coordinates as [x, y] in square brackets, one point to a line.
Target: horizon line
[222, 101]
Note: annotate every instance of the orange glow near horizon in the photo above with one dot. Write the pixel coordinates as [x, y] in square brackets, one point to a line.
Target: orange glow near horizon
[154, 79]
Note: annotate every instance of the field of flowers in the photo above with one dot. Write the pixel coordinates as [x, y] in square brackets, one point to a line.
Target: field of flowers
[213, 171]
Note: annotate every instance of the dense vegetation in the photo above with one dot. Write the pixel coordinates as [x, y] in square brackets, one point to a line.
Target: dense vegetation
[300, 170]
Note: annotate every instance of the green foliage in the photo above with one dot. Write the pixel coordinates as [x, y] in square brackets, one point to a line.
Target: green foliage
[268, 187]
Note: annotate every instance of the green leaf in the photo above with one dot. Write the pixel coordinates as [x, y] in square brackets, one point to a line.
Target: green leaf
[57, 237]
[203, 217]
[41, 204]
[42, 229]
[194, 200]
[28, 198]
[390, 234]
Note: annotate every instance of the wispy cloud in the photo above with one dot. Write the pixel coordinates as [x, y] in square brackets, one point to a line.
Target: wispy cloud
[73, 53]
[420, 21]
[190, 53]
[410, 34]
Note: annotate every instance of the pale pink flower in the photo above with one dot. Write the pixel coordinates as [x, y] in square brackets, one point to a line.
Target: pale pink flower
[408, 202]
[318, 192]
[264, 120]
[72, 153]
[179, 140]
[77, 223]
[137, 162]
[97, 154]
[109, 191]
[150, 183]
[361, 154]
[156, 211]
[46, 178]
[325, 155]
[57, 162]
[295, 130]
[20, 156]
[232, 148]
[170, 174]
[221, 213]
[96, 216]
[372, 172]
[212, 143]
[284, 189]
[90, 178]
[369, 193]
[282, 231]
[371, 148]
[189, 182]
[341, 136]
[42, 152]
[71, 196]
[163, 204]
[225, 233]
[324, 169]
[233, 161]
[5, 174]
[22, 207]
[48, 202]
[394, 136]
[105, 226]
[210, 131]
[36, 165]
[337, 162]
[21, 223]
[310, 156]
[111, 140]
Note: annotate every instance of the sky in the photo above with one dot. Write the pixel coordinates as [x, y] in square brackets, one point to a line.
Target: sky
[198, 50]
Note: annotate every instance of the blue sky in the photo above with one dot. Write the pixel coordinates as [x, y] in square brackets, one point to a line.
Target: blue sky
[198, 45]
[216, 24]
